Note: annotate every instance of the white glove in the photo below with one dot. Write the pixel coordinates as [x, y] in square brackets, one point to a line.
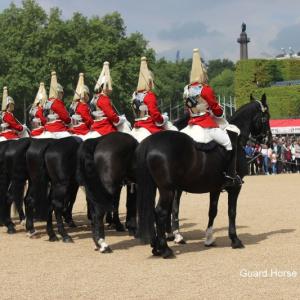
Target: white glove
[165, 120]
[122, 119]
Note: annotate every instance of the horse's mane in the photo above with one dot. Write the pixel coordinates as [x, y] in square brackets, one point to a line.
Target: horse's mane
[244, 110]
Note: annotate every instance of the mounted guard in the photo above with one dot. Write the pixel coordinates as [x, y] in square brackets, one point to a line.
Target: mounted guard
[148, 117]
[106, 120]
[58, 117]
[206, 122]
[38, 120]
[11, 128]
[80, 111]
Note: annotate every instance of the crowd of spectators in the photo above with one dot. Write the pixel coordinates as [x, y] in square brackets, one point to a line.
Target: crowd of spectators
[282, 157]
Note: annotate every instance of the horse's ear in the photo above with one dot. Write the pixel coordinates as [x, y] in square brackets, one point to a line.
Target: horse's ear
[264, 99]
[251, 98]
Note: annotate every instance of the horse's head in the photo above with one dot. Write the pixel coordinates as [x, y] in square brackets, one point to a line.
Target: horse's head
[260, 126]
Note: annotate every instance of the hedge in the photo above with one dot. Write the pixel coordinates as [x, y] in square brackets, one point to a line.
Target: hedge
[256, 76]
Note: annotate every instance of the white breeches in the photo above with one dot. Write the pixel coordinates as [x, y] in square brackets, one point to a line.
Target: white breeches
[140, 133]
[205, 135]
[54, 135]
[89, 135]
[124, 127]
[2, 139]
[221, 137]
[170, 126]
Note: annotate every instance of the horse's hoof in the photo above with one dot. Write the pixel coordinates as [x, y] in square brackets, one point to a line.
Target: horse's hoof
[106, 249]
[180, 242]
[11, 230]
[155, 252]
[237, 244]
[210, 243]
[33, 234]
[53, 238]
[168, 253]
[120, 227]
[68, 239]
[213, 244]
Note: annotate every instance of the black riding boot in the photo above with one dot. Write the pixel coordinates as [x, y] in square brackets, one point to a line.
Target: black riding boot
[231, 177]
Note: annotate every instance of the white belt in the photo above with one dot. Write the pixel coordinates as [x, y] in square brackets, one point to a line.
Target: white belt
[52, 122]
[141, 119]
[198, 115]
[100, 118]
[77, 125]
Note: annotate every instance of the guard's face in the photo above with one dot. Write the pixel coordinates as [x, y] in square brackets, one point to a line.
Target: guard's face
[86, 98]
[60, 95]
[106, 91]
[11, 107]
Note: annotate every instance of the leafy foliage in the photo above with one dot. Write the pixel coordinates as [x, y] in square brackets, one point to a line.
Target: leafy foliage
[223, 84]
[256, 75]
[34, 43]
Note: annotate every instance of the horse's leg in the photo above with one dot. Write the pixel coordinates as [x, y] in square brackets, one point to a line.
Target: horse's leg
[7, 218]
[109, 218]
[116, 219]
[58, 196]
[72, 192]
[213, 210]
[98, 228]
[131, 209]
[50, 230]
[160, 246]
[178, 238]
[29, 209]
[6, 205]
[16, 194]
[233, 194]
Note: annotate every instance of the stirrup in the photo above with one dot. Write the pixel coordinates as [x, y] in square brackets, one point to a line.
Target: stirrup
[232, 181]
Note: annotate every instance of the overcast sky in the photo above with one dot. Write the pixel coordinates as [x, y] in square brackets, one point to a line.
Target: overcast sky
[213, 26]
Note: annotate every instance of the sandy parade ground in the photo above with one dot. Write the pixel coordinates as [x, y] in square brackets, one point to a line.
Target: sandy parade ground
[268, 223]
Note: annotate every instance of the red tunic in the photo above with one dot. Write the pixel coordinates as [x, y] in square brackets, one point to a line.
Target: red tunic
[83, 128]
[105, 126]
[154, 114]
[206, 121]
[13, 126]
[58, 125]
[39, 115]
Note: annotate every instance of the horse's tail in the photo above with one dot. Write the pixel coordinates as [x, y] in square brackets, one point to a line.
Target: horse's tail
[85, 162]
[87, 175]
[38, 177]
[19, 174]
[146, 193]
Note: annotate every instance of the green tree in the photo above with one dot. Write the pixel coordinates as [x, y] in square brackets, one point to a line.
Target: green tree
[34, 43]
[223, 84]
[217, 66]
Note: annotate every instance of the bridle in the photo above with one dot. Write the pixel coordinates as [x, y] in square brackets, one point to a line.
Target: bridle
[257, 138]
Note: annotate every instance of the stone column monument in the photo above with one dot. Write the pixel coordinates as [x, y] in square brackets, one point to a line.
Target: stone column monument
[243, 40]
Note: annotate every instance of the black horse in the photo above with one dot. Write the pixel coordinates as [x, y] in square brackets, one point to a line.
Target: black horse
[51, 166]
[13, 174]
[105, 164]
[172, 161]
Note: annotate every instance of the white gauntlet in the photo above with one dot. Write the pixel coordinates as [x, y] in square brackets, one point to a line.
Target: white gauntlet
[165, 120]
[122, 119]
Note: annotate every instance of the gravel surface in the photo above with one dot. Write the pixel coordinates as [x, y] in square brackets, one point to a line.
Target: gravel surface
[268, 223]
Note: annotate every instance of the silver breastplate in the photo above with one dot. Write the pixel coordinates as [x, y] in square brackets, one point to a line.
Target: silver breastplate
[200, 109]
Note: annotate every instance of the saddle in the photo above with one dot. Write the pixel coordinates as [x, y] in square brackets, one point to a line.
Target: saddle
[206, 147]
